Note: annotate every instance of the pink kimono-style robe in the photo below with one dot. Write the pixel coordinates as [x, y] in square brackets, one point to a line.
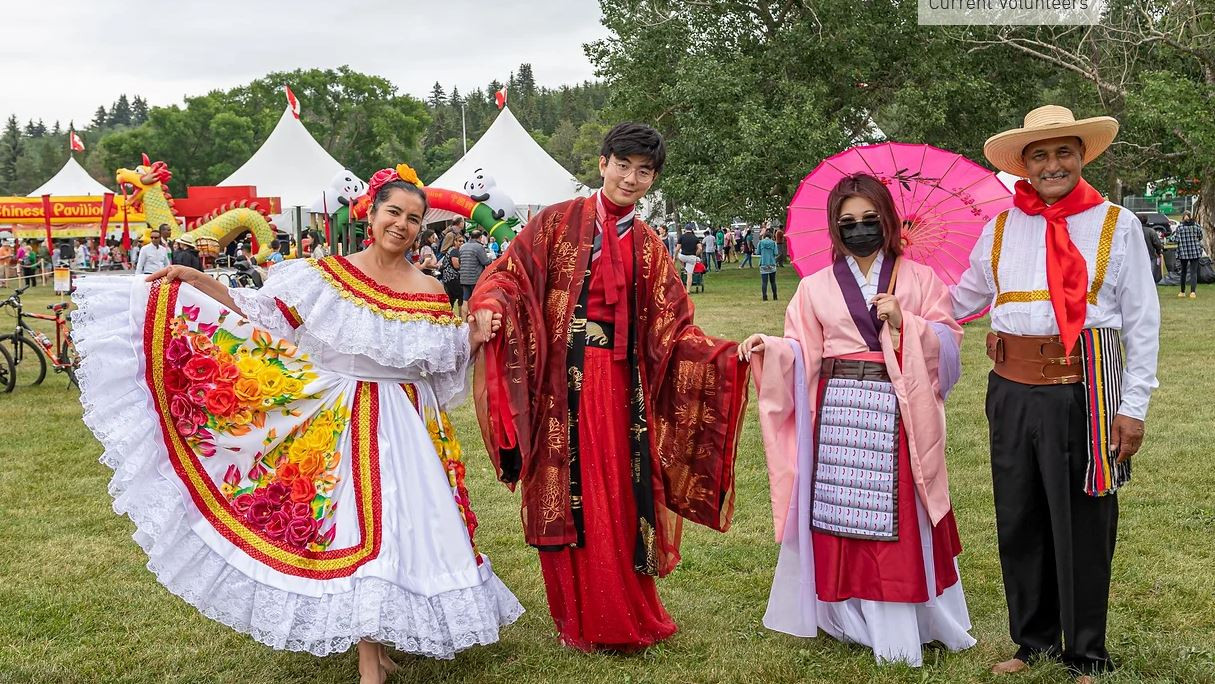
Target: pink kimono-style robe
[822, 322]
[819, 320]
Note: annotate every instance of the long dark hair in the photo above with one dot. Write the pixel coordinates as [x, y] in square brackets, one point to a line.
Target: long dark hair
[872, 189]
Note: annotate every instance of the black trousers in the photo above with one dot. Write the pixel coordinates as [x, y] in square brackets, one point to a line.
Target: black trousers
[764, 279]
[1056, 542]
[1189, 271]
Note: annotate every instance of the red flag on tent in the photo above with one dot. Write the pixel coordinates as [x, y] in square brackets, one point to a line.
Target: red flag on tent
[75, 142]
[500, 97]
[295, 104]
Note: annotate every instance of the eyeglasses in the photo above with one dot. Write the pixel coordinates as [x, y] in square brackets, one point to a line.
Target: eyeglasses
[870, 221]
[624, 171]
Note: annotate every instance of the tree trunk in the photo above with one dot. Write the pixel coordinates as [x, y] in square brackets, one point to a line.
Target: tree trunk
[1205, 211]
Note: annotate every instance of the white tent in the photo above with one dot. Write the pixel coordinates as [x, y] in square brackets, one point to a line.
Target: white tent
[71, 180]
[290, 165]
[524, 172]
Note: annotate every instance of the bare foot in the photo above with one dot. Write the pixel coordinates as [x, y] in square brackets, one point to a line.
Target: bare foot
[1011, 666]
[372, 675]
[370, 669]
[387, 664]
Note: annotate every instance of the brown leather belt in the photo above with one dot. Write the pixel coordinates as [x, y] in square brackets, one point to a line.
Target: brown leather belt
[1033, 359]
[855, 370]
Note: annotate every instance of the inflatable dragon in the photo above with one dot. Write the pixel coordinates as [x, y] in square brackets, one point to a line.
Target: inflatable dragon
[148, 183]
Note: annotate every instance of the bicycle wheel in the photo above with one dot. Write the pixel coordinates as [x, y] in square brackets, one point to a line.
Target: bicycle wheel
[27, 358]
[8, 371]
[69, 360]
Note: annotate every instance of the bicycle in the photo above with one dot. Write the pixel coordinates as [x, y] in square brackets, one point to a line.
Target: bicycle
[8, 371]
[33, 349]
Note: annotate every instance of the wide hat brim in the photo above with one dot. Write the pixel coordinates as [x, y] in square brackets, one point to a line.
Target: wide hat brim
[1003, 150]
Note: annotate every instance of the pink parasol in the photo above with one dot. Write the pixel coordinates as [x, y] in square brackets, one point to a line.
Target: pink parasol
[944, 200]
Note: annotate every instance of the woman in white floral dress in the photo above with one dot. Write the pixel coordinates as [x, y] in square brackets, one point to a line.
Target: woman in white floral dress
[285, 452]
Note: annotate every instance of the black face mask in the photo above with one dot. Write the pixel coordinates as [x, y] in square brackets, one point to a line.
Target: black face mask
[862, 238]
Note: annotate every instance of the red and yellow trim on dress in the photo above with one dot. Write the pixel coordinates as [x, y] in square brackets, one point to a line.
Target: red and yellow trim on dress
[365, 467]
[358, 288]
[289, 312]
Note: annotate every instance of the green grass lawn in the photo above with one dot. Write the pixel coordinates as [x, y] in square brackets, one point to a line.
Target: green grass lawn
[79, 606]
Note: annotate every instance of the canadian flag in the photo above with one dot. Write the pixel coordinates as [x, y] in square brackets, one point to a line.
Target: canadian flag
[75, 142]
[500, 97]
[295, 104]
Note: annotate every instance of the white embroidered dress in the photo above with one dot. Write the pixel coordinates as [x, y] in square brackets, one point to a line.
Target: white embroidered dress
[292, 474]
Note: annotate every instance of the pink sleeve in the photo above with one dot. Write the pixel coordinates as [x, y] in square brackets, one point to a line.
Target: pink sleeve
[774, 383]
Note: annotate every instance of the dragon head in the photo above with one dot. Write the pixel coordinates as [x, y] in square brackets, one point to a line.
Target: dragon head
[147, 175]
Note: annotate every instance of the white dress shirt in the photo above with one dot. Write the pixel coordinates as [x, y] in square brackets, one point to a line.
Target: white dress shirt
[152, 258]
[1121, 291]
[867, 283]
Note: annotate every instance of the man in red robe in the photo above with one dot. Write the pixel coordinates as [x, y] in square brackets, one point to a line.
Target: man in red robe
[618, 415]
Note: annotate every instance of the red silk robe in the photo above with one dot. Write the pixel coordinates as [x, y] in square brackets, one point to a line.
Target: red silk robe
[693, 387]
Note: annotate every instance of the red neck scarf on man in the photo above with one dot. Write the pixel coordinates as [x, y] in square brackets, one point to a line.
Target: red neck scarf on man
[608, 214]
[1066, 270]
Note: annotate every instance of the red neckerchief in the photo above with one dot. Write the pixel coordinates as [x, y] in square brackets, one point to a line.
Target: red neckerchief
[607, 215]
[1066, 270]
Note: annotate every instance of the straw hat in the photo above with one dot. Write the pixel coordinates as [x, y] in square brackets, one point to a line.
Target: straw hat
[186, 239]
[1003, 150]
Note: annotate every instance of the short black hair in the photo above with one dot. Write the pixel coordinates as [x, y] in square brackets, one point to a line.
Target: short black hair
[476, 234]
[629, 139]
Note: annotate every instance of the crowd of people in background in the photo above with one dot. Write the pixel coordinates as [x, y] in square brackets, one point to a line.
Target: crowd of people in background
[736, 245]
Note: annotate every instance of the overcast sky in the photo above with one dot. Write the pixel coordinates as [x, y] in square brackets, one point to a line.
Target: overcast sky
[60, 59]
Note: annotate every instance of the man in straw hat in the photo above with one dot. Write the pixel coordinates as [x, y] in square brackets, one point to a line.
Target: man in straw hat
[1067, 277]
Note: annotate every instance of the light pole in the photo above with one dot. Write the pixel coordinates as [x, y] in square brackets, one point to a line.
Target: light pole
[463, 129]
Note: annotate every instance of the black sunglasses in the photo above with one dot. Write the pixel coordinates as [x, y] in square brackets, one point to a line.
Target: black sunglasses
[867, 221]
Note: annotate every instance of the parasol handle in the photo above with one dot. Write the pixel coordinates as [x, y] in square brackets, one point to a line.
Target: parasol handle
[894, 275]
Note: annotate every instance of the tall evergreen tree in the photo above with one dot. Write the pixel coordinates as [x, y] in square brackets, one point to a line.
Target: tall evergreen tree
[120, 113]
[139, 110]
[437, 98]
[56, 130]
[11, 148]
[525, 80]
[455, 100]
[99, 118]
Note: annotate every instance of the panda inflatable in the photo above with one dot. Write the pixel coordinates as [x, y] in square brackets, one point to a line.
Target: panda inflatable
[482, 188]
[343, 189]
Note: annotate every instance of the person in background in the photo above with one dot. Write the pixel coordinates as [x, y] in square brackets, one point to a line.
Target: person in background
[782, 247]
[155, 255]
[710, 250]
[184, 253]
[473, 260]
[767, 265]
[689, 253]
[493, 247]
[319, 250]
[721, 248]
[104, 256]
[29, 263]
[1155, 249]
[428, 261]
[449, 273]
[1189, 251]
[673, 241]
[456, 227]
[8, 261]
[745, 249]
[276, 255]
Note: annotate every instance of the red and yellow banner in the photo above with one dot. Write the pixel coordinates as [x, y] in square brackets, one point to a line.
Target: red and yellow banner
[24, 231]
[63, 209]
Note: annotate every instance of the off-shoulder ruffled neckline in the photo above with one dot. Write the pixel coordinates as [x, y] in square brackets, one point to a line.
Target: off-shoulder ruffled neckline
[366, 279]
